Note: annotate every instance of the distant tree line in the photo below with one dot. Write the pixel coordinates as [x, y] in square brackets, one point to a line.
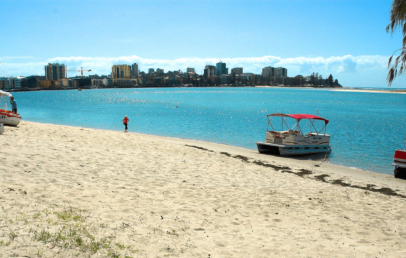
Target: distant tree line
[317, 80]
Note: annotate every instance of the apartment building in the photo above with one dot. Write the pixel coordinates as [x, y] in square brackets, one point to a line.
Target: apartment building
[237, 70]
[55, 72]
[209, 70]
[4, 83]
[15, 82]
[134, 70]
[121, 71]
[281, 72]
[268, 73]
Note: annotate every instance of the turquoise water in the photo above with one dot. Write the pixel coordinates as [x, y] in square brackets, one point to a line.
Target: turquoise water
[366, 128]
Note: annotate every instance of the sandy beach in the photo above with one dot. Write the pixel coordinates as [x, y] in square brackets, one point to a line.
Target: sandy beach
[341, 89]
[78, 192]
[370, 91]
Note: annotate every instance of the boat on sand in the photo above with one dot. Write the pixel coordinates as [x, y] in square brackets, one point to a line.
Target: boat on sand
[291, 140]
[7, 117]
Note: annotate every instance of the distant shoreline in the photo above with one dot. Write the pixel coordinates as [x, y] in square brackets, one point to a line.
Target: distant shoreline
[371, 91]
[163, 86]
[343, 89]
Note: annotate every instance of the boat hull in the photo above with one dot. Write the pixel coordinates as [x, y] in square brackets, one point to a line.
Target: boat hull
[292, 150]
[9, 118]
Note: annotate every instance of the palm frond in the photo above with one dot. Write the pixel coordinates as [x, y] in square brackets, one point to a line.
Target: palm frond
[397, 19]
[390, 76]
[397, 16]
[397, 61]
[404, 29]
[390, 60]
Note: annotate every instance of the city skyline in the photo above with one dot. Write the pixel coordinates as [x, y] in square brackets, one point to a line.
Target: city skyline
[252, 65]
[344, 38]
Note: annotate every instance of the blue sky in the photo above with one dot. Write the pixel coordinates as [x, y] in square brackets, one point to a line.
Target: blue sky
[340, 37]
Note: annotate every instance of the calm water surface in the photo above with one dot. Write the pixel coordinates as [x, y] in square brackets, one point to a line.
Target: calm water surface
[366, 128]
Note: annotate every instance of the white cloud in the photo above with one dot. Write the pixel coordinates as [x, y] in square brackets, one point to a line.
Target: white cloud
[370, 70]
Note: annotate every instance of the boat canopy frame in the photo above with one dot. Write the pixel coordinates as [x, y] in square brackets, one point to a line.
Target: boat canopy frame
[298, 118]
[4, 96]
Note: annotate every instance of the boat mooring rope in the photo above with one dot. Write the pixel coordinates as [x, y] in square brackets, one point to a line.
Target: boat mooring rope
[324, 159]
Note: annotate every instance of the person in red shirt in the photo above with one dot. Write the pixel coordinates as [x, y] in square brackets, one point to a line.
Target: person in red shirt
[125, 122]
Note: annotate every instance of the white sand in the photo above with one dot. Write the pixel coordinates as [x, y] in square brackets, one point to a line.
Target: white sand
[371, 91]
[397, 91]
[148, 196]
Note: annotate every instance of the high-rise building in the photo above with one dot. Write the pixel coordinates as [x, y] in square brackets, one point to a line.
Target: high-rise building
[237, 70]
[121, 72]
[268, 73]
[134, 70]
[281, 72]
[55, 72]
[190, 70]
[209, 70]
[159, 71]
[151, 70]
[221, 68]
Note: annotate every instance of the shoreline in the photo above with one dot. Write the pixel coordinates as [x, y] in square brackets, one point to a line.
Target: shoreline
[303, 162]
[343, 89]
[340, 170]
[371, 91]
[340, 89]
[142, 195]
[300, 159]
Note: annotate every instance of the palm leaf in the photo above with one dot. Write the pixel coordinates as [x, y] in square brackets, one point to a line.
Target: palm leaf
[390, 60]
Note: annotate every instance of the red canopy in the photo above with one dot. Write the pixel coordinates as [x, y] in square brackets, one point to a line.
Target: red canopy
[300, 116]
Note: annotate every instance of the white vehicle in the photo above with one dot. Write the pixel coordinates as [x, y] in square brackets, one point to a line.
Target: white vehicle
[7, 117]
[292, 141]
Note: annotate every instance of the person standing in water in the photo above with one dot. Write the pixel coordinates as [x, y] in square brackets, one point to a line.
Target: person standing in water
[125, 122]
[13, 105]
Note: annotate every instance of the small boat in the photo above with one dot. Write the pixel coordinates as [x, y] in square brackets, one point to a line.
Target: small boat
[7, 117]
[399, 162]
[292, 141]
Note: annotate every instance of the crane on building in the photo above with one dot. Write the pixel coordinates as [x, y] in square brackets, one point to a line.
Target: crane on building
[81, 71]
